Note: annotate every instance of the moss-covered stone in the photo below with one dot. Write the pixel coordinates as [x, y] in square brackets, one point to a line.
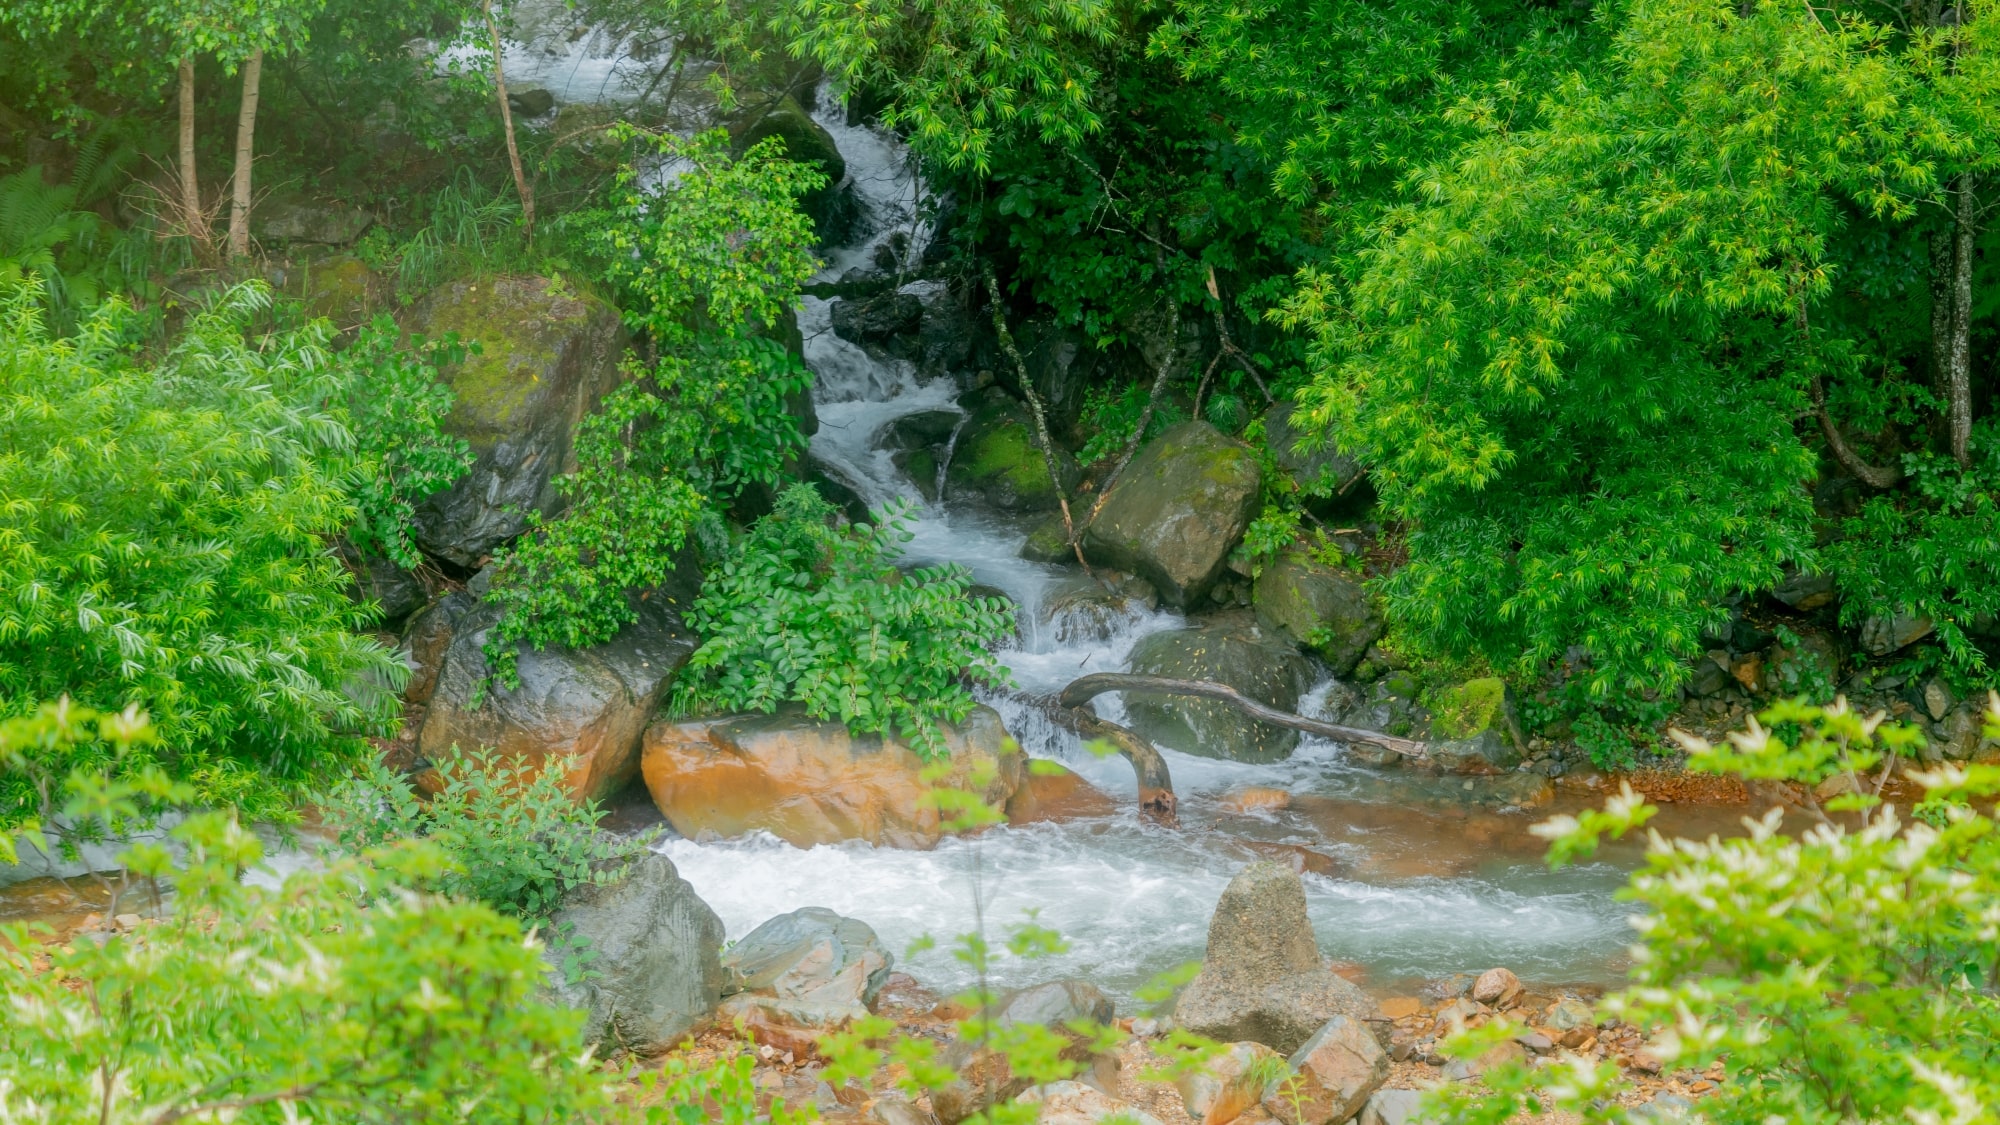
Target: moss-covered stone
[1463, 710]
[1177, 511]
[1048, 542]
[997, 462]
[1318, 607]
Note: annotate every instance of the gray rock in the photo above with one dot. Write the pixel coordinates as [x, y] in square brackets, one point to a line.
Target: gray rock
[1240, 655]
[1058, 1003]
[298, 220]
[1709, 676]
[650, 950]
[872, 320]
[1805, 591]
[547, 356]
[530, 102]
[984, 1076]
[1392, 1107]
[1048, 542]
[592, 704]
[1262, 979]
[1178, 510]
[425, 640]
[811, 957]
[998, 462]
[395, 592]
[1486, 752]
[1883, 633]
[1318, 607]
[1322, 471]
[1333, 1074]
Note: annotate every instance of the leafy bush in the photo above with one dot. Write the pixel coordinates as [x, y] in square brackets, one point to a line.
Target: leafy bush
[396, 405]
[803, 610]
[357, 993]
[162, 542]
[1842, 974]
[513, 835]
[76, 257]
[706, 268]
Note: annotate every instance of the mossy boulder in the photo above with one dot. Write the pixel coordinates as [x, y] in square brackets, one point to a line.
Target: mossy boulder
[1048, 542]
[997, 462]
[1177, 510]
[806, 142]
[341, 287]
[547, 356]
[1318, 607]
[1236, 653]
[1473, 729]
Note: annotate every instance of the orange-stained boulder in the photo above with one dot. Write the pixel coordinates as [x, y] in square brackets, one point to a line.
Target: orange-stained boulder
[1053, 792]
[810, 782]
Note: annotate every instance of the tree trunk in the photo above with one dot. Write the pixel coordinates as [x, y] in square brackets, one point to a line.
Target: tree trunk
[191, 216]
[1036, 413]
[507, 122]
[1958, 352]
[246, 133]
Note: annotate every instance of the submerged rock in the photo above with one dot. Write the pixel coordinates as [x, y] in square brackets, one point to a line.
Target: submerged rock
[997, 461]
[1238, 654]
[547, 356]
[640, 956]
[1262, 979]
[1318, 607]
[592, 704]
[1178, 510]
[811, 782]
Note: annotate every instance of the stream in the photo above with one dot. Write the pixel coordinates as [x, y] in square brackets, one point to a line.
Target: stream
[1418, 879]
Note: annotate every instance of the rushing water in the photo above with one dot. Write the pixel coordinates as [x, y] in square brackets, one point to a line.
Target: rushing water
[1412, 876]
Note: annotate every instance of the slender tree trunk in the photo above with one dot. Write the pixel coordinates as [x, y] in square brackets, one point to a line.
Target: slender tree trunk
[507, 122]
[1035, 412]
[246, 133]
[191, 214]
[1958, 353]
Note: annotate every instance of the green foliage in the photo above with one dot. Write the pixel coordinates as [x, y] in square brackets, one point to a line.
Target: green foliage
[705, 267]
[354, 993]
[76, 258]
[162, 542]
[723, 1093]
[396, 406]
[1843, 974]
[803, 610]
[1110, 417]
[514, 836]
[468, 226]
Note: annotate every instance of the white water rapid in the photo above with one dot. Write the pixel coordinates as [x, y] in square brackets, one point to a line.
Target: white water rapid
[1426, 884]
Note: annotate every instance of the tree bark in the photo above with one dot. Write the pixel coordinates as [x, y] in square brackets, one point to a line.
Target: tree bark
[1958, 352]
[507, 121]
[1034, 409]
[191, 213]
[1868, 474]
[246, 133]
[1085, 688]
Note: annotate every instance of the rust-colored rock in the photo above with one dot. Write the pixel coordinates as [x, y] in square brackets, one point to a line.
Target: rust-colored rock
[1229, 1085]
[1052, 792]
[1401, 1007]
[1334, 1073]
[809, 782]
[1496, 987]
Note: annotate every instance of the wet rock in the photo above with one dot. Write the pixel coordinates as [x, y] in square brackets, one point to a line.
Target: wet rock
[590, 704]
[1324, 470]
[1884, 633]
[311, 221]
[1487, 753]
[1178, 510]
[1333, 1074]
[925, 429]
[1073, 1103]
[1228, 1085]
[425, 640]
[811, 782]
[547, 356]
[1392, 1107]
[1240, 655]
[1496, 987]
[1048, 542]
[395, 592]
[872, 320]
[1082, 610]
[651, 948]
[997, 462]
[921, 466]
[530, 102]
[1050, 792]
[831, 206]
[1262, 979]
[1318, 607]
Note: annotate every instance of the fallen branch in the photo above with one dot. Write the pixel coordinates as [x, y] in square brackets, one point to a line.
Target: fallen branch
[1034, 408]
[1156, 785]
[1086, 688]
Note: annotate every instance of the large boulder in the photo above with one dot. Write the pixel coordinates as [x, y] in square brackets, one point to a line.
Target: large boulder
[591, 704]
[1262, 979]
[997, 461]
[426, 639]
[1318, 607]
[812, 782]
[547, 356]
[1238, 654]
[1178, 510]
[640, 956]
[830, 206]
[1323, 470]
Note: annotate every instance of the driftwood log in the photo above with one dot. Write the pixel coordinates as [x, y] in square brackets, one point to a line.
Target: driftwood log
[1086, 688]
[1156, 786]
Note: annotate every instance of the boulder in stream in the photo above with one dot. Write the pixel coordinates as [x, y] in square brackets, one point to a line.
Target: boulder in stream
[1178, 510]
[1318, 607]
[640, 956]
[811, 782]
[997, 461]
[547, 356]
[1262, 979]
[1232, 651]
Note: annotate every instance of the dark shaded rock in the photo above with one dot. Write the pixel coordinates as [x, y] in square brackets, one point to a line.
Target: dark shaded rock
[1323, 471]
[1318, 607]
[531, 102]
[1805, 591]
[1884, 633]
[921, 466]
[1048, 542]
[833, 207]
[1709, 675]
[1262, 979]
[998, 463]
[835, 490]
[310, 221]
[547, 357]
[1240, 655]
[592, 704]
[395, 592]
[926, 429]
[1178, 510]
[340, 287]
[651, 950]
[871, 320]
[426, 639]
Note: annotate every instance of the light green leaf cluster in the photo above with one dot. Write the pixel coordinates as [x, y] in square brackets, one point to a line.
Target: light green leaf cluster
[803, 610]
[396, 407]
[162, 542]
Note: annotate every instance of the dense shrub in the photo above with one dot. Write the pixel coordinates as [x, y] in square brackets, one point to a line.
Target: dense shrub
[396, 406]
[805, 610]
[162, 542]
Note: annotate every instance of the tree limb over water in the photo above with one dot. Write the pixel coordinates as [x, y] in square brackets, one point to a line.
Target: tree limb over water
[1085, 688]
